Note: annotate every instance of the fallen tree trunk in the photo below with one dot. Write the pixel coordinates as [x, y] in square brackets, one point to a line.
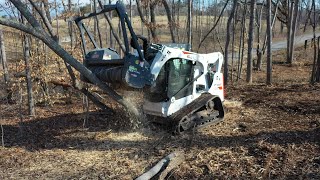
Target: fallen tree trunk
[165, 165]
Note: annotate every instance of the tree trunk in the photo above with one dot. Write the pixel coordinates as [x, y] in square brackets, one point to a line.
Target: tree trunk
[233, 39]
[97, 26]
[307, 16]
[111, 37]
[47, 10]
[293, 31]
[153, 22]
[57, 20]
[26, 54]
[130, 10]
[178, 20]
[269, 42]
[189, 29]
[170, 20]
[259, 47]
[226, 49]
[314, 69]
[250, 40]
[151, 28]
[242, 41]
[289, 30]
[3, 59]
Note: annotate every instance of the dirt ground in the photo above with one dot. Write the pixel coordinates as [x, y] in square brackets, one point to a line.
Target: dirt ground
[269, 132]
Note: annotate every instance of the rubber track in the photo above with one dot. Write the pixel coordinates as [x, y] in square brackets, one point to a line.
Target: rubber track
[191, 108]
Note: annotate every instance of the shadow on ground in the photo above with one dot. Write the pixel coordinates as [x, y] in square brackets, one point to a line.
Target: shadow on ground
[66, 131]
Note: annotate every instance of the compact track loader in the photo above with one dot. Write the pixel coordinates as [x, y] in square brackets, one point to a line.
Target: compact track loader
[181, 87]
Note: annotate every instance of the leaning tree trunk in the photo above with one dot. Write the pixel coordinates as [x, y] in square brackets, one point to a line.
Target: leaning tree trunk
[3, 59]
[75, 83]
[36, 30]
[250, 40]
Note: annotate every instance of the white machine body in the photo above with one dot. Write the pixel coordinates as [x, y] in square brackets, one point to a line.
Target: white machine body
[206, 78]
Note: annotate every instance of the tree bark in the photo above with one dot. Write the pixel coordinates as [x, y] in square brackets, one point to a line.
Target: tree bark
[250, 41]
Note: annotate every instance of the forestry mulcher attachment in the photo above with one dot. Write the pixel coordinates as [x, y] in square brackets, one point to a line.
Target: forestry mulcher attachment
[183, 88]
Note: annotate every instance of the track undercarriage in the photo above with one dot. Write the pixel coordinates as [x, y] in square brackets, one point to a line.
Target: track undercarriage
[202, 112]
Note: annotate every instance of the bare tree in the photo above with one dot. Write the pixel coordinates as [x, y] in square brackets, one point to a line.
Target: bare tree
[250, 40]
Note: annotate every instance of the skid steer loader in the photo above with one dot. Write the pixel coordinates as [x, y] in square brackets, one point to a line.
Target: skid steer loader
[184, 88]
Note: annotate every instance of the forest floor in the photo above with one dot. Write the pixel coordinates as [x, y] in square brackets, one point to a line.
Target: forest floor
[269, 132]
